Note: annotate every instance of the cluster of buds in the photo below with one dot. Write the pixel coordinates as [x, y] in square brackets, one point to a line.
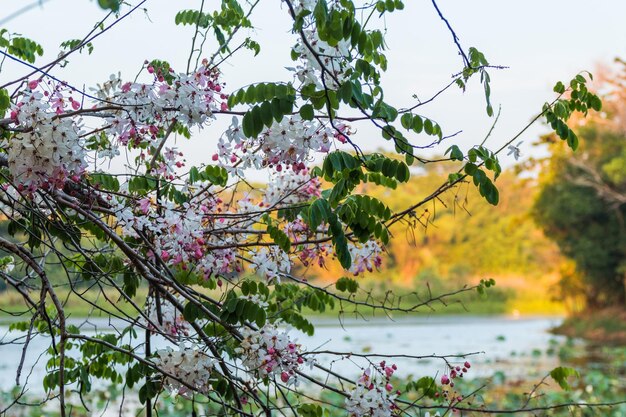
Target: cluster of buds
[448, 381]
[455, 372]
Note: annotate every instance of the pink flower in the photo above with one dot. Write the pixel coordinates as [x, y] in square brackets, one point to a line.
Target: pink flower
[144, 205]
[33, 84]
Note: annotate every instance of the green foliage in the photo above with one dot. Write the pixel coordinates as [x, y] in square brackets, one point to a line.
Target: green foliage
[455, 153]
[344, 284]
[279, 237]
[275, 101]
[321, 211]
[72, 44]
[578, 206]
[21, 47]
[113, 5]
[261, 92]
[484, 284]
[142, 184]
[5, 101]
[477, 64]
[289, 302]
[105, 181]
[560, 375]
[580, 100]
[263, 115]
[193, 17]
[310, 410]
[240, 310]
[214, 174]
[425, 386]
[365, 216]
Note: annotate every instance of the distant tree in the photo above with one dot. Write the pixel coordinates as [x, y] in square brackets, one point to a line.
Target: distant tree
[582, 203]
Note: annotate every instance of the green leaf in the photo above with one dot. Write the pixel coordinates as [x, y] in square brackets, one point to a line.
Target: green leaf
[266, 113]
[455, 153]
[417, 124]
[191, 312]
[572, 140]
[105, 181]
[559, 88]
[5, 101]
[279, 237]
[320, 13]
[402, 173]
[428, 127]
[561, 374]
[248, 125]
[347, 284]
[406, 120]
[306, 112]
[113, 5]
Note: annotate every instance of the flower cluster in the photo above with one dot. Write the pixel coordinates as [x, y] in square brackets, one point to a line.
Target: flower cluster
[291, 187]
[189, 365]
[312, 50]
[181, 237]
[270, 352]
[147, 108]
[286, 144]
[335, 61]
[170, 321]
[270, 262]
[365, 257]
[48, 150]
[373, 395]
[447, 382]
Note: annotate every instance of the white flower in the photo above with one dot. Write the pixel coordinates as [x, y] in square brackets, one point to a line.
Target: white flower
[291, 187]
[48, 151]
[365, 256]
[371, 397]
[190, 365]
[286, 145]
[256, 299]
[515, 151]
[270, 262]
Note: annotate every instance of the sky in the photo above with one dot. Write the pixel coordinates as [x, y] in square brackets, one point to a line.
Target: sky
[541, 42]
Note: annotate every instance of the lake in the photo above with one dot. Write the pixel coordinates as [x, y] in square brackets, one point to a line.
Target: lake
[516, 346]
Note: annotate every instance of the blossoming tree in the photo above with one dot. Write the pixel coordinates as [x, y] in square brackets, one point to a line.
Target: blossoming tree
[218, 257]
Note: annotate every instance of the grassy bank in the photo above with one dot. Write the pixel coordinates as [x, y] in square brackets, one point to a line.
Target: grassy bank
[89, 302]
[428, 295]
[604, 326]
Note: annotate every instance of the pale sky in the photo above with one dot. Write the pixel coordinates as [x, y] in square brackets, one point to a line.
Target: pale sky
[541, 41]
